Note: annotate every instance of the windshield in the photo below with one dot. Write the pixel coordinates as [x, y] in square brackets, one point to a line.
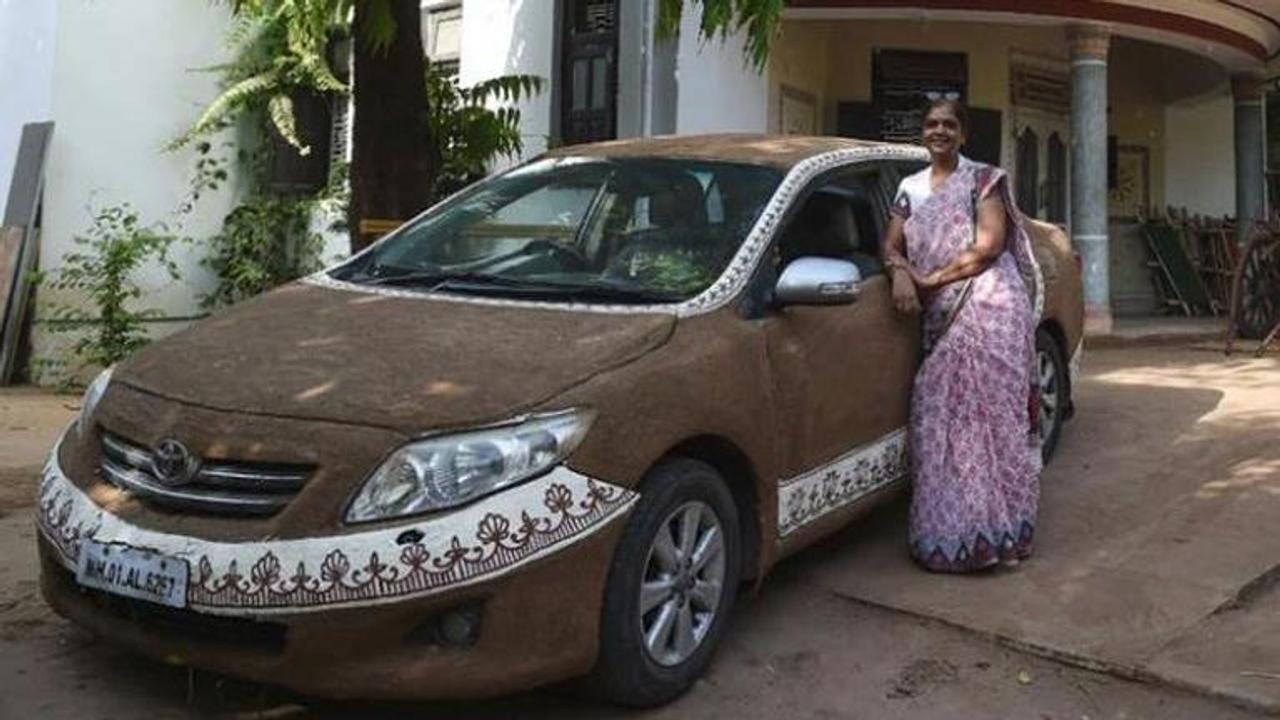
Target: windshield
[603, 230]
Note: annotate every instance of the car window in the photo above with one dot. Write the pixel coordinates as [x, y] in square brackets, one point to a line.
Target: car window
[841, 219]
[666, 226]
[556, 204]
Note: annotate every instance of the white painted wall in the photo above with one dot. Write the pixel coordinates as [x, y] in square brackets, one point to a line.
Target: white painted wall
[126, 82]
[506, 37]
[1199, 163]
[27, 30]
[719, 91]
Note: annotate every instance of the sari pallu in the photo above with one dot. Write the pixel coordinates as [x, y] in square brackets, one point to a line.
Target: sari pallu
[974, 445]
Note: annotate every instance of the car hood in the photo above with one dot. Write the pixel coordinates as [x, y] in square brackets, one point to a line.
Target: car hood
[407, 363]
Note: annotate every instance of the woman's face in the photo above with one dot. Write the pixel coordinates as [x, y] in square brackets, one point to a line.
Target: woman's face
[943, 134]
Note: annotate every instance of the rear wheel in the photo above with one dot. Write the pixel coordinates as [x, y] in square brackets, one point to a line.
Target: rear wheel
[1053, 391]
[671, 587]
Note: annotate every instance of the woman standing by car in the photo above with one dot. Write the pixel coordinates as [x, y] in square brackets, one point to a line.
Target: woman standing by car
[957, 249]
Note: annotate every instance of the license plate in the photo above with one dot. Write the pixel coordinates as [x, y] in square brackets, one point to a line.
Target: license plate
[133, 572]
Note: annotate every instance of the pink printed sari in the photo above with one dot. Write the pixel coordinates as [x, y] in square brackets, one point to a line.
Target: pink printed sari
[975, 453]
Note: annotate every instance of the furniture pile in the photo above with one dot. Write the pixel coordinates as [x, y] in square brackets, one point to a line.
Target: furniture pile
[1193, 261]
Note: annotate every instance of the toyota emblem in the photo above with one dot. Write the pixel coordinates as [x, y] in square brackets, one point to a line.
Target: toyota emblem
[173, 464]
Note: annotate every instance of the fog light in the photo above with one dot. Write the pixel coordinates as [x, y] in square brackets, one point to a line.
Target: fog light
[457, 627]
[460, 628]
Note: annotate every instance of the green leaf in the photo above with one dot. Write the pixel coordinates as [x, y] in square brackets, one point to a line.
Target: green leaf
[230, 100]
[116, 245]
[474, 126]
[280, 108]
[505, 89]
[760, 19]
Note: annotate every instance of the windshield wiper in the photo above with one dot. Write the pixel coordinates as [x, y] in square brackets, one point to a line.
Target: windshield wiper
[579, 291]
[526, 287]
[472, 282]
[436, 278]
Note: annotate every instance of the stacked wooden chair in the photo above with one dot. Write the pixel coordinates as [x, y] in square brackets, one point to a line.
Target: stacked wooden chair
[1191, 262]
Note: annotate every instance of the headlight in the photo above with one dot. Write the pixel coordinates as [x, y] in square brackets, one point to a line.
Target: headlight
[450, 470]
[92, 396]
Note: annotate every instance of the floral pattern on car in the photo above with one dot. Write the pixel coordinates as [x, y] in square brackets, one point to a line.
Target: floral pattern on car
[806, 498]
[484, 541]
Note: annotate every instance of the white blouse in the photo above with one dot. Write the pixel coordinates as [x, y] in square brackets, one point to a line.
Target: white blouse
[916, 188]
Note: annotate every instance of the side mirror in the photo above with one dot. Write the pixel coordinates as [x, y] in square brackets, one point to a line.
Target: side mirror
[818, 281]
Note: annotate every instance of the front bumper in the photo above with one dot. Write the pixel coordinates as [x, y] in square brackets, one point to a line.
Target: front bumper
[341, 615]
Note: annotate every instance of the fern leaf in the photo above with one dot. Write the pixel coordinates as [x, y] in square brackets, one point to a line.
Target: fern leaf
[280, 108]
[231, 99]
[506, 89]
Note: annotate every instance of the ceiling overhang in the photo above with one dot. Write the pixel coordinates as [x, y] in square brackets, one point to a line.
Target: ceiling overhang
[1240, 35]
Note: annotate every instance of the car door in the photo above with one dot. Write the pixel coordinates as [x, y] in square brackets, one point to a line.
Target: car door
[841, 374]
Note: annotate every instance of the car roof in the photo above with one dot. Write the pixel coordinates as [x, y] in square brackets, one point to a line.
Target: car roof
[781, 151]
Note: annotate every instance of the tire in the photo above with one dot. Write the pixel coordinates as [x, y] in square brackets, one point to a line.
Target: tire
[1055, 387]
[630, 670]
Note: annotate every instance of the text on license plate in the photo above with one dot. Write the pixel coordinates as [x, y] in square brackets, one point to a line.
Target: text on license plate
[132, 572]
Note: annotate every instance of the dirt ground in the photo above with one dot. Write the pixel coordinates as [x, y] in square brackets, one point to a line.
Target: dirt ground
[794, 651]
[798, 648]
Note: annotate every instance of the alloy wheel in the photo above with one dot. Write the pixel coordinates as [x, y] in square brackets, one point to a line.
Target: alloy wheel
[683, 580]
[1050, 392]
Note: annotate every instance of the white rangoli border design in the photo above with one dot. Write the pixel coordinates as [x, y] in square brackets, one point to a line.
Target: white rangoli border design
[486, 540]
[806, 498]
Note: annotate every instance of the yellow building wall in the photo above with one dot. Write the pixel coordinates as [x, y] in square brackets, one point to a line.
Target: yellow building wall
[1140, 124]
[988, 48]
[1199, 155]
[800, 61]
[832, 59]
[1137, 114]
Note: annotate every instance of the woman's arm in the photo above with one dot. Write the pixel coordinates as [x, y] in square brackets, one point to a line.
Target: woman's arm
[893, 246]
[901, 276]
[988, 244]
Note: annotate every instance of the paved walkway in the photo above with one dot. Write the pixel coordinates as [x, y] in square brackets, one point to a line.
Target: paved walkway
[1157, 544]
[1162, 330]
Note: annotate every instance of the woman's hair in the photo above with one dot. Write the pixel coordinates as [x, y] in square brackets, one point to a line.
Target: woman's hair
[956, 107]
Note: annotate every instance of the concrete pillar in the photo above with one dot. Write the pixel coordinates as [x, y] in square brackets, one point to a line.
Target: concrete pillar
[1251, 181]
[1089, 47]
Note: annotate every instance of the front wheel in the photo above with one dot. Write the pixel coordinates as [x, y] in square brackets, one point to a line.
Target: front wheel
[1053, 391]
[671, 587]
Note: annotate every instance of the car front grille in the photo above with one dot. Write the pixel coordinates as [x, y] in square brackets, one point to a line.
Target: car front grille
[233, 488]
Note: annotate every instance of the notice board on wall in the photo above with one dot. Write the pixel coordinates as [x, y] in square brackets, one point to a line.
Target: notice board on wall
[903, 81]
